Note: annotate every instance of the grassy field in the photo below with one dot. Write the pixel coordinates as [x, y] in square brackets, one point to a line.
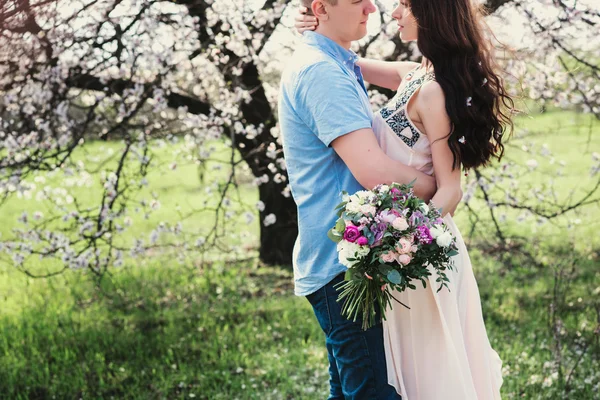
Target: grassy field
[158, 329]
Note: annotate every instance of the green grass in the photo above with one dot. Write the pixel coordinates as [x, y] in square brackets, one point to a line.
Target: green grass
[219, 333]
[158, 329]
[571, 139]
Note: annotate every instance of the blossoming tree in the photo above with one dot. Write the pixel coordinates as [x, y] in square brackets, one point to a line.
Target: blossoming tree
[192, 73]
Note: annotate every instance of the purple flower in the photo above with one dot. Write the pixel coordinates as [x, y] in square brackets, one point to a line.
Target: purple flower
[386, 216]
[418, 218]
[378, 231]
[423, 234]
[362, 241]
[351, 233]
[415, 218]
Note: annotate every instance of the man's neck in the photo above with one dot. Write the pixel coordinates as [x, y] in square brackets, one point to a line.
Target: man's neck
[332, 35]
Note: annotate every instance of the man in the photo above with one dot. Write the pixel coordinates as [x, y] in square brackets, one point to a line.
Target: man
[329, 146]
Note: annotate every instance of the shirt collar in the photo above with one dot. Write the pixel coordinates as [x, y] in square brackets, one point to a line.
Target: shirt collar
[345, 56]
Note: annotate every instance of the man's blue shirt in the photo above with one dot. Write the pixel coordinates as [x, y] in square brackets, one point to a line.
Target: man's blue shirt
[322, 97]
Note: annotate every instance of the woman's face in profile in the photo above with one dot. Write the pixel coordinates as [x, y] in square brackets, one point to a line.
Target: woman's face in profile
[407, 25]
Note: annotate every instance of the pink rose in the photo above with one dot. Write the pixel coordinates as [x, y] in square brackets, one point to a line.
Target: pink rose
[362, 241]
[403, 246]
[388, 257]
[400, 224]
[351, 233]
[404, 259]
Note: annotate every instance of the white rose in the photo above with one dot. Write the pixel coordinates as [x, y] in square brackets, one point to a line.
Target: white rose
[353, 207]
[384, 189]
[424, 208]
[436, 231]
[363, 196]
[444, 239]
[347, 250]
[363, 251]
[400, 224]
[342, 253]
[354, 199]
[368, 209]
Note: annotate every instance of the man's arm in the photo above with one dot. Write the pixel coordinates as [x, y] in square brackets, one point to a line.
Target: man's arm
[329, 102]
[371, 166]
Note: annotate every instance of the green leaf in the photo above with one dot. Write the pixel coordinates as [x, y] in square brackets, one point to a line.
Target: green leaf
[334, 235]
[452, 253]
[348, 275]
[394, 277]
[340, 225]
[341, 205]
[384, 269]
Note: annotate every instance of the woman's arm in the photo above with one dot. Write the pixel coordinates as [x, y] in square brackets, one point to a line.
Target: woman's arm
[387, 74]
[431, 107]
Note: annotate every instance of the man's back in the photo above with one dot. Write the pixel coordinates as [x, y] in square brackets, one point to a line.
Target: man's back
[322, 97]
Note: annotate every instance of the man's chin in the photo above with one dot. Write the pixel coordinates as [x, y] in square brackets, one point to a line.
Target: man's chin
[361, 34]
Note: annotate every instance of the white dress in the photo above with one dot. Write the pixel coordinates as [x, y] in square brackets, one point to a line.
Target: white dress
[439, 349]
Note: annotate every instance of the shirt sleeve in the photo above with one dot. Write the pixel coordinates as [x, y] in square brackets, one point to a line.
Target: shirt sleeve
[329, 102]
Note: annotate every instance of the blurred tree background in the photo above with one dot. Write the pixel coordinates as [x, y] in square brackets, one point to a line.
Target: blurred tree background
[147, 226]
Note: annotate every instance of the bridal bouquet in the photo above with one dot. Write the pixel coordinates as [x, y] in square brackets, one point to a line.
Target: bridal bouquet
[388, 238]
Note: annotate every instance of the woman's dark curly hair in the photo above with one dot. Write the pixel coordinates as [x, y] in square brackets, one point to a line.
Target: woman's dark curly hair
[451, 35]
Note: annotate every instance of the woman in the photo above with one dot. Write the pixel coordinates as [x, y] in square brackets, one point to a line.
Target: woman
[450, 111]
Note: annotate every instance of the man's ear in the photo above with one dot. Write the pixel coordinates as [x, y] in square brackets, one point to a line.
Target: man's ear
[319, 10]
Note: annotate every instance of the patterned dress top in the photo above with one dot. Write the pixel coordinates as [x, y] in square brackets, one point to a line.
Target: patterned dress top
[395, 130]
[395, 112]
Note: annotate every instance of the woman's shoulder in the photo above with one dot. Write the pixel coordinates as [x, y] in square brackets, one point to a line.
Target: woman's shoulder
[431, 95]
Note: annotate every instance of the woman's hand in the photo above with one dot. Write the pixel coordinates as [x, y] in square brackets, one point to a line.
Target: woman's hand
[305, 22]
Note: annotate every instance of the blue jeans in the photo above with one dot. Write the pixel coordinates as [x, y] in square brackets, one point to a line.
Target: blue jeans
[357, 368]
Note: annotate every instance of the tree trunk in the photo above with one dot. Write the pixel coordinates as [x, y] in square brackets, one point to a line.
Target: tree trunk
[277, 240]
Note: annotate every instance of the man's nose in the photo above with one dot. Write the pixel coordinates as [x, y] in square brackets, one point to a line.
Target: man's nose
[370, 8]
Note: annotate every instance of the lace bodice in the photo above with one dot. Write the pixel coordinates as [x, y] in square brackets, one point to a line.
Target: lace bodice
[397, 134]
